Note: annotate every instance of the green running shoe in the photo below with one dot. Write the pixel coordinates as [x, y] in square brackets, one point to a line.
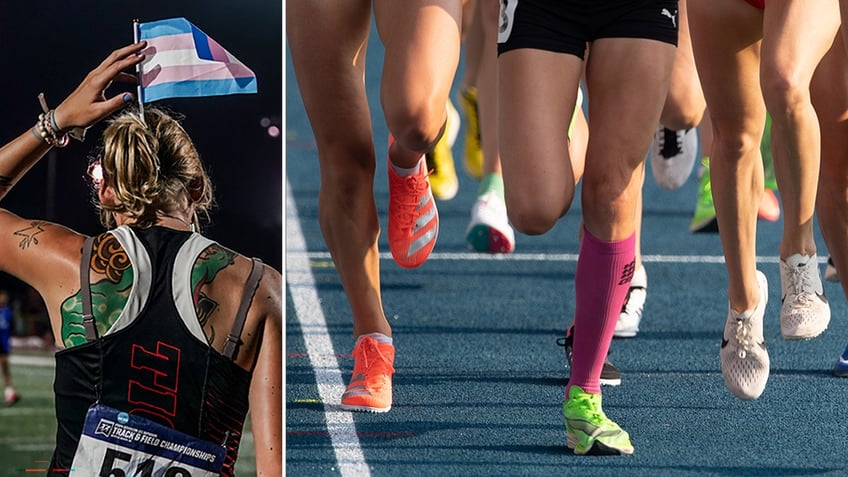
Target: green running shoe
[588, 429]
[704, 219]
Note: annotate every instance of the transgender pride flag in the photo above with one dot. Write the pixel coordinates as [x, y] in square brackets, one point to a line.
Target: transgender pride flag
[182, 61]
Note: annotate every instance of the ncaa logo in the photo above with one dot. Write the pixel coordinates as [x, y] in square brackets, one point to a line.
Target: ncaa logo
[123, 417]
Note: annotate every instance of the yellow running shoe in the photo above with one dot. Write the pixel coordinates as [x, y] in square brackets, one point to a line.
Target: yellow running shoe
[370, 388]
[473, 159]
[443, 179]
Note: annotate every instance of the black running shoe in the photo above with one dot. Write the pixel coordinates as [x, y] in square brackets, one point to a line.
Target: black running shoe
[610, 374]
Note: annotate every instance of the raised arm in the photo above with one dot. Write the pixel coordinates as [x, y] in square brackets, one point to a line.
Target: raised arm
[38, 252]
[82, 108]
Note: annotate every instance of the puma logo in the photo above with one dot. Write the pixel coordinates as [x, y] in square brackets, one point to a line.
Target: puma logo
[673, 16]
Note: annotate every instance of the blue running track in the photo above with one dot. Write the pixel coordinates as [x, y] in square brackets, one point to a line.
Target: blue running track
[480, 378]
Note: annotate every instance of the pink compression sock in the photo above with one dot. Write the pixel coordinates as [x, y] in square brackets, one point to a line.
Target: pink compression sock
[604, 272]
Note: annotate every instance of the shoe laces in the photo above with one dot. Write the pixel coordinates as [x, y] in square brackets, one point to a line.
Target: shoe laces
[744, 337]
[412, 188]
[671, 143]
[801, 284]
[370, 358]
[589, 407]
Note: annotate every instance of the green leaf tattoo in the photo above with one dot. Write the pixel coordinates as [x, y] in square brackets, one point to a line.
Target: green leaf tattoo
[108, 296]
[208, 264]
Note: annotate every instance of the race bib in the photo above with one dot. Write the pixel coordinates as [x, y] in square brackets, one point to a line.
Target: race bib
[117, 444]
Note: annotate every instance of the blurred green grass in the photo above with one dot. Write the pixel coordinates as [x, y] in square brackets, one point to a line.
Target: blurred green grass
[27, 429]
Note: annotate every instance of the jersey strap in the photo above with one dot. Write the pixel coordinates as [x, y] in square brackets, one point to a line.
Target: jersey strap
[234, 338]
[85, 291]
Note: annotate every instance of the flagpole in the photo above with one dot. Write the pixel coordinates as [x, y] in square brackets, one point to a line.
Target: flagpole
[138, 72]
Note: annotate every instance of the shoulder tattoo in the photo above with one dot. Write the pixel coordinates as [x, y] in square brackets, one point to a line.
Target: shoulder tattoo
[109, 295]
[210, 262]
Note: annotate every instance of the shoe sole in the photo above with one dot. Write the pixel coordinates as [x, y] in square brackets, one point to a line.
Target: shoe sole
[373, 410]
[625, 334]
[482, 238]
[810, 336]
[597, 447]
[610, 382]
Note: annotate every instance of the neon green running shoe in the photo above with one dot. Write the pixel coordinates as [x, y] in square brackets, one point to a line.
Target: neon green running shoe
[588, 429]
[704, 219]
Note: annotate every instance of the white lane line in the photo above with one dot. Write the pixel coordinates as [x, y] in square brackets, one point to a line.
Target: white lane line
[25, 360]
[328, 376]
[532, 257]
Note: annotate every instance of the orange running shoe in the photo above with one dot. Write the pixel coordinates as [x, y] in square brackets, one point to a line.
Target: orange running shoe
[413, 218]
[370, 388]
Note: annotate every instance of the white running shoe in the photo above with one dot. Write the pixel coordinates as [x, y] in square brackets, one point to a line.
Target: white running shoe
[805, 312]
[744, 358]
[489, 230]
[673, 155]
[631, 312]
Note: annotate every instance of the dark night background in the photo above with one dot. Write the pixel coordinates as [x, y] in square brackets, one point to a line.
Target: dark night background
[49, 46]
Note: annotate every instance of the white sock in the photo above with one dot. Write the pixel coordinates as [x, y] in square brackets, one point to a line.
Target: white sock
[380, 337]
[403, 172]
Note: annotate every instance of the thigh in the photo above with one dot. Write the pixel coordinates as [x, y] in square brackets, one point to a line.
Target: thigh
[796, 35]
[685, 101]
[627, 80]
[726, 38]
[422, 43]
[327, 41]
[537, 93]
[829, 91]
[627, 76]
[541, 45]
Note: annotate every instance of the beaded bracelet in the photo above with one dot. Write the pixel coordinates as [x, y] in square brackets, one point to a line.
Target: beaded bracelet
[45, 130]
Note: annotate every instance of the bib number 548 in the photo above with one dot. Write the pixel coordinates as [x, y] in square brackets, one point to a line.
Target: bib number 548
[114, 457]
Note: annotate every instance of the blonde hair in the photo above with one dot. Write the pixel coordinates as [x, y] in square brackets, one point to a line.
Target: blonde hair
[153, 168]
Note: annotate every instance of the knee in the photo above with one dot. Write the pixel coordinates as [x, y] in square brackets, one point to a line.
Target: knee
[784, 93]
[682, 117]
[533, 217]
[531, 222]
[415, 128]
[684, 112]
[733, 140]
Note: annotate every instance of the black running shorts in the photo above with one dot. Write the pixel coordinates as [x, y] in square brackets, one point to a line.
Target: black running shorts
[566, 26]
